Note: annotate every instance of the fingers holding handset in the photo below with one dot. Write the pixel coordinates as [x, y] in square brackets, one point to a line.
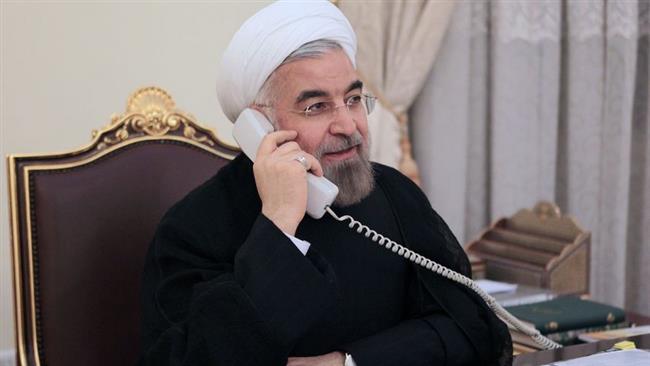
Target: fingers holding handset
[310, 163]
[274, 139]
[280, 176]
[281, 145]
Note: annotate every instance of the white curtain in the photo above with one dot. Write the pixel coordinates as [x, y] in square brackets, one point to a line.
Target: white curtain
[532, 100]
[398, 42]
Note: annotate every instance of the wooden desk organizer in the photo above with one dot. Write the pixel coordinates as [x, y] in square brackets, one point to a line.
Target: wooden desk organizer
[537, 247]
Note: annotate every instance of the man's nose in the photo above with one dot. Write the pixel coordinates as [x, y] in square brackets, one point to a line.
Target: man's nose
[343, 122]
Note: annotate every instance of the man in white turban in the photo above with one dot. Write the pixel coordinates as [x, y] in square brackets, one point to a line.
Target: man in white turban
[237, 274]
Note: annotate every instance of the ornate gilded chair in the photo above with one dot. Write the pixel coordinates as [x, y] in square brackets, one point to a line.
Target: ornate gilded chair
[81, 222]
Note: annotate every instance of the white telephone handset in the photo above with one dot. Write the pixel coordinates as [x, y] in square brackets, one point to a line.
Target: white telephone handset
[251, 126]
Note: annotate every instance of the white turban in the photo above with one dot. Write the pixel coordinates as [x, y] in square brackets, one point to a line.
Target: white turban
[267, 38]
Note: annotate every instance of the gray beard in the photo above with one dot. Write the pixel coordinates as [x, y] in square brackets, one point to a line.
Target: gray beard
[354, 176]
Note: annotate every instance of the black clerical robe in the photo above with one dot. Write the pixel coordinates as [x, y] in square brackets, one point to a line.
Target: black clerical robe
[224, 286]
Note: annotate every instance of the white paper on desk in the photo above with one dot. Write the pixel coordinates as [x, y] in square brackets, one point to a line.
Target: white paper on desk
[632, 357]
[494, 287]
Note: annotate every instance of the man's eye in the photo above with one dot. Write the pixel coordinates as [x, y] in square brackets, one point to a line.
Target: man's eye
[353, 100]
[316, 108]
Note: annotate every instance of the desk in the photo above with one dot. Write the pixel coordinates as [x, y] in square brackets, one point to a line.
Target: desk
[580, 350]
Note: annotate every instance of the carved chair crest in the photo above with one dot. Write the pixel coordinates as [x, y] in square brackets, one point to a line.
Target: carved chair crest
[151, 111]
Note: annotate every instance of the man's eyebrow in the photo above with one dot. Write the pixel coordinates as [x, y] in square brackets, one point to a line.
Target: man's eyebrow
[317, 93]
[308, 94]
[357, 84]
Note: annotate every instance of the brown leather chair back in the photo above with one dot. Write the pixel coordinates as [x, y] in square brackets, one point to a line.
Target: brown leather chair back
[82, 222]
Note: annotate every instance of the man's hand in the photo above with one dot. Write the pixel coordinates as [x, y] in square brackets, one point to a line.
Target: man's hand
[282, 181]
[330, 359]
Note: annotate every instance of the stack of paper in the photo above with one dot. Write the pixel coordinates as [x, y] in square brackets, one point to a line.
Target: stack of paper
[524, 295]
[616, 333]
[633, 357]
[494, 287]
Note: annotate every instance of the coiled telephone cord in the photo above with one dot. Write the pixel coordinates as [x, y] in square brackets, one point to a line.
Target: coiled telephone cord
[449, 274]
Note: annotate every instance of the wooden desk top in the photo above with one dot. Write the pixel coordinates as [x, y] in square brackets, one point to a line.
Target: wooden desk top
[580, 350]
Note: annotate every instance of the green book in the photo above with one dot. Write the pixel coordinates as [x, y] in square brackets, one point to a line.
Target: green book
[567, 313]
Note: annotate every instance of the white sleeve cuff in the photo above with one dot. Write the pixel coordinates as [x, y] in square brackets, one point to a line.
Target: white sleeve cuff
[302, 245]
[349, 361]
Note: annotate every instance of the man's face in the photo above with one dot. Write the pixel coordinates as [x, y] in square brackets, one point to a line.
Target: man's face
[339, 140]
[307, 82]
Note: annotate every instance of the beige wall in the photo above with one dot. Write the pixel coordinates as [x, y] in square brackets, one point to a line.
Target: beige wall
[67, 66]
